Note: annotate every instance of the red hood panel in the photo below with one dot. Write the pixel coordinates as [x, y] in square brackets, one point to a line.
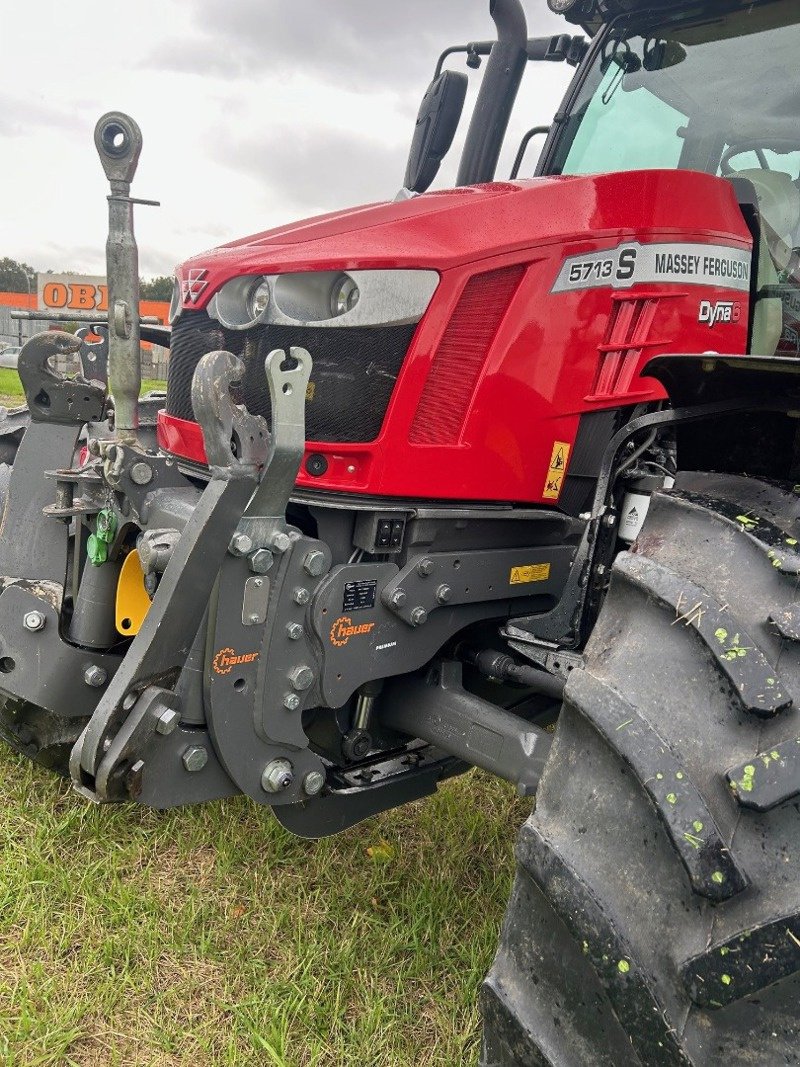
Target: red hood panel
[449, 228]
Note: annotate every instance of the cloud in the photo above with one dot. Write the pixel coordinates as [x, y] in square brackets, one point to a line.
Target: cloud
[355, 44]
[312, 169]
[20, 115]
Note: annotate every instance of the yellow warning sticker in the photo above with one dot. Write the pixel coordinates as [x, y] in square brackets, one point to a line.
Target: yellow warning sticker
[557, 472]
[538, 572]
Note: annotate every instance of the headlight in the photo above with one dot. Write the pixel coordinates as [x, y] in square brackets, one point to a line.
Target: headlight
[325, 298]
[241, 302]
[259, 299]
[344, 295]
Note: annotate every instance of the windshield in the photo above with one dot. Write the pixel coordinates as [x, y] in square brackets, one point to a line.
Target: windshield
[719, 95]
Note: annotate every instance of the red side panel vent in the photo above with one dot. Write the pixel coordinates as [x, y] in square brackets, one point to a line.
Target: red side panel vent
[627, 336]
[461, 356]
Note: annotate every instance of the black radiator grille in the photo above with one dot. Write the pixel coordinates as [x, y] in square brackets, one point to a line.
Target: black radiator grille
[355, 370]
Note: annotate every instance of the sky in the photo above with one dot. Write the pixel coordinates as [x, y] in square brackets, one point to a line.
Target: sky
[254, 113]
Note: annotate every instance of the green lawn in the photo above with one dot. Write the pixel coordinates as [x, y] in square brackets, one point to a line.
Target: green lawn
[12, 394]
[211, 936]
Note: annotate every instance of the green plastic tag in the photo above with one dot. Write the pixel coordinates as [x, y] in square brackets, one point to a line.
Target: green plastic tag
[98, 542]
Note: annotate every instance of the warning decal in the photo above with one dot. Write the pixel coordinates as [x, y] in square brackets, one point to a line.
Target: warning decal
[557, 472]
[538, 572]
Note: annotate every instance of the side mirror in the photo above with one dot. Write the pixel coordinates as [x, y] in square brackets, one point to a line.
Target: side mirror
[437, 122]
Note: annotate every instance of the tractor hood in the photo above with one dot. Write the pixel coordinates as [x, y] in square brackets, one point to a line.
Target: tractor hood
[442, 230]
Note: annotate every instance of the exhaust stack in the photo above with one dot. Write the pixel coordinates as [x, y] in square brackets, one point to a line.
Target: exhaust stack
[118, 140]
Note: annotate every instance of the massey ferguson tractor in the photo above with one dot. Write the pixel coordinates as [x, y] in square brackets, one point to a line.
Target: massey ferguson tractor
[503, 475]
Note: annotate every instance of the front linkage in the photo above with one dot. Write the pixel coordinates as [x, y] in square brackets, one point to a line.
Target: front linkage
[208, 693]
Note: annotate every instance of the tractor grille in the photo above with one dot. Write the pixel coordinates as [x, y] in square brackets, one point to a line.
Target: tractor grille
[355, 371]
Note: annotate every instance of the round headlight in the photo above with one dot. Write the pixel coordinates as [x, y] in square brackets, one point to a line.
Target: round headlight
[259, 298]
[235, 305]
[344, 295]
[561, 7]
[176, 302]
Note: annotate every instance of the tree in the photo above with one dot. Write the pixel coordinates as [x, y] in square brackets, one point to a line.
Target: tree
[16, 277]
[156, 288]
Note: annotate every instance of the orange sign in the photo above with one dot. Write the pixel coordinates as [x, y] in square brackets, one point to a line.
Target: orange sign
[343, 629]
[72, 292]
[226, 659]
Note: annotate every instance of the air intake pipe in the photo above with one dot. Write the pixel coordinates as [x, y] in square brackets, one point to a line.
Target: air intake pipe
[498, 92]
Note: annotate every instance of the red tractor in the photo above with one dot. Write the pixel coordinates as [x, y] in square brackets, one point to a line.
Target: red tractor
[503, 476]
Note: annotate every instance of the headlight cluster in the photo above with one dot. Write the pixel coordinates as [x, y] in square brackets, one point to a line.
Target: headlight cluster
[324, 298]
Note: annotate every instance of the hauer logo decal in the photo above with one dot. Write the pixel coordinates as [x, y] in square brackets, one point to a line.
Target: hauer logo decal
[721, 311]
[226, 659]
[343, 629]
[194, 285]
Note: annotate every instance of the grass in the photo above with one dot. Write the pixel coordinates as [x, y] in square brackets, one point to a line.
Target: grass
[13, 395]
[211, 936]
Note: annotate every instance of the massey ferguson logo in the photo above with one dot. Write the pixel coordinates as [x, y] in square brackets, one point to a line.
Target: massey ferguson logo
[226, 659]
[722, 311]
[193, 286]
[343, 629]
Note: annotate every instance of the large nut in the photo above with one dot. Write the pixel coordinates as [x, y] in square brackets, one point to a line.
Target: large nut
[278, 776]
[261, 561]
[195, 758]
[425, 567]
[419, 616]
[281, 542]
[294, 631]
[34, 621]
[313, 783]
[444, 594]
[314, 564]
[167, 721]
[241, 545]
[291, 701]
[398, 598]
[95, 676]
[301, 596]
[302, 678]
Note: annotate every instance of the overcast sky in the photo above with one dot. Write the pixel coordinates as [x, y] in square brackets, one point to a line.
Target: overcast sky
[254, 113]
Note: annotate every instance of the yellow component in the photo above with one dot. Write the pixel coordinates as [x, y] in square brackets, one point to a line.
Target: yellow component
[539, 572]
[133, 603]
[558, 470]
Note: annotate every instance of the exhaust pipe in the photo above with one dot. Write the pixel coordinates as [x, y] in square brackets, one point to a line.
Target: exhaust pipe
[501, 83]
[118, 140]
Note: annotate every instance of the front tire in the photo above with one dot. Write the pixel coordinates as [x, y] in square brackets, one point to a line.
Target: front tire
[655, 916]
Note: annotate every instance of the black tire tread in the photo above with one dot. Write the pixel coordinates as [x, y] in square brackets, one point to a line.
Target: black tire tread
[603, 902]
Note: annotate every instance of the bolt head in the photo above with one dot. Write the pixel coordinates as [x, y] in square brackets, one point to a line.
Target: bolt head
[419, 616]
[34, 621]
[398, 598]
[261, 561]
[281, 542]
[295, 631]
[240, 545]
[444, 594]
[313, 783]
[167, 721]
[278, 776]
[314, 564]
[301, 596]
[610, 520]
[195, 758]
[141, 474]
[95, 676]
[302, 678]
[291, 701]
[425, 567]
